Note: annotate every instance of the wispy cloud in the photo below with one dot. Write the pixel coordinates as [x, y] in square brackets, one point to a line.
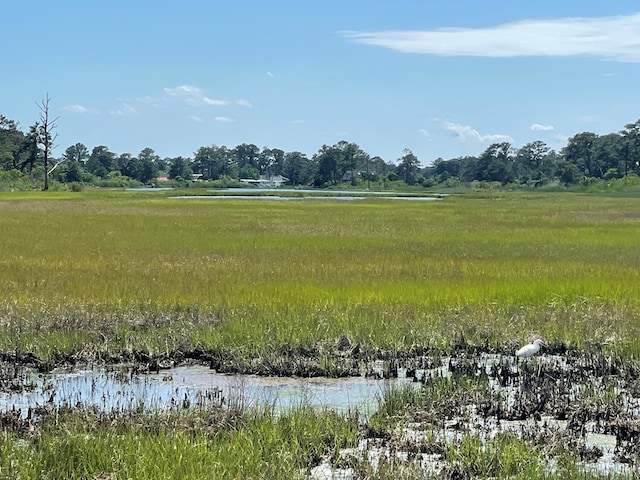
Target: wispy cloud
[196, 118]
[244, 103]
[465, 133]
[214, 101]
[183, 90]
[194, 96]
[614, 38]
[426, 133]
[536, 127]
[269, 74]
[123, 110]
[75, 108]
[223, 119]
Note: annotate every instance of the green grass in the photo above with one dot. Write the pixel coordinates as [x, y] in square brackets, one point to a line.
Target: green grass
[196, 445]
[256, 275]
[102, 273]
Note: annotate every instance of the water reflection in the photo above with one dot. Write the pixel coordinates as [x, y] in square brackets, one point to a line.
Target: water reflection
[120, 390]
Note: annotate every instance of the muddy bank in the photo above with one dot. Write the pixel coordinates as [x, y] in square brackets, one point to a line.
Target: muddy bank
[564, 403]
[339, 358]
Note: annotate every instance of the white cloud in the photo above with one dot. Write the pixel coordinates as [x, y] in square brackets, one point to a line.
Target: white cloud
[75, 108]
[196, 118]
[223, 119]
[614, 38]
[183, 90]
[214, 101]
[536, 127]
[244, 103]
[425, 133]
[465, 133]
[147, 99]
[123, 110]
[269, 74]
[194, 96]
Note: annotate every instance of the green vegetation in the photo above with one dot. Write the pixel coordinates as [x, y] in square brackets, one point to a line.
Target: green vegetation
[586, 160]
[131, 271]
[194, 444]
[110, 274]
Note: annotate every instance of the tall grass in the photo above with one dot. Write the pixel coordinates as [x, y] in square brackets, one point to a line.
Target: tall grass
[142, 271]
[196, 445]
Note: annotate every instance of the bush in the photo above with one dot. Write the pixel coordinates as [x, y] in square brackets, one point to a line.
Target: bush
[16, 180]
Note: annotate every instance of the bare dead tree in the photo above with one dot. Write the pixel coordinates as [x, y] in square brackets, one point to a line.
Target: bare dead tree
[46, 137]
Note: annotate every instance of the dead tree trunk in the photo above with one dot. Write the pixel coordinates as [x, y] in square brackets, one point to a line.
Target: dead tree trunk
[46, 137]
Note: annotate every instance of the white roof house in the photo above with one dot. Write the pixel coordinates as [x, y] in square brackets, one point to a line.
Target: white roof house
[273, 181]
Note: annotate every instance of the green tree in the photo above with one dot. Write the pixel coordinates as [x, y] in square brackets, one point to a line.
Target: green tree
[12, 144]
[247, 156]
[631, 148]
[298, 168]
[496, 164]
[578, 152]
[408, 167]
[76, 153]
[271, 161]
[180, 168]
[528, 161]
[100, 162]
[214, 162]
[148, 165]
[73, 173]
[327, 160]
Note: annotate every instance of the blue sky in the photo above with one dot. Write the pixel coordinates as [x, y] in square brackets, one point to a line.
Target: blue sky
[443, 79]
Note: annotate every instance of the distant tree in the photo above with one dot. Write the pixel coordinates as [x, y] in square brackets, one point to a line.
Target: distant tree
[607, 155]
[148, 165]
[129, 166]
[496, 164]
[631, 147]
[73, 173]
[408, 167]
[100, 162]
[298, 168]
[578, 152]
[214, 162]
[327, 160]
[569, 173]
[180, 168]
[246, 156]
[12, 144]
[379, 168]
[46, 137]
[31, 147]
[76, 153]
[271, 161]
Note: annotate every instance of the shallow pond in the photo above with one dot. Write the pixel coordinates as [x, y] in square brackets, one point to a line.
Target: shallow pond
[119, 389]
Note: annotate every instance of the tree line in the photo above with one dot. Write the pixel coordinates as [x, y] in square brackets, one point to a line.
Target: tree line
[587, 157]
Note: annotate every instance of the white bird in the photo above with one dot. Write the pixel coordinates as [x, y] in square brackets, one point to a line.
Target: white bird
[530, 349]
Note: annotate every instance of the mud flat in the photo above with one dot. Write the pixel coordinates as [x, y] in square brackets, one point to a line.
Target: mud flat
[471, 414]
[479, 415]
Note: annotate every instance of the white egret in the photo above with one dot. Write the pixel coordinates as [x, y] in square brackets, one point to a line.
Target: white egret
[530, 349]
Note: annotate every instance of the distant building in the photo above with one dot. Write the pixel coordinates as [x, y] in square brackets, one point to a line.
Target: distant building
[274, 181]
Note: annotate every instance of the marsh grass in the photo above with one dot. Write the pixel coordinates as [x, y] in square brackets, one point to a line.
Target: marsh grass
[197, 444]
[156, 274]
[101, 275]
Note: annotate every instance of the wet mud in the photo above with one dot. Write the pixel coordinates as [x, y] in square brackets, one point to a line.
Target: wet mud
[581, 403]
